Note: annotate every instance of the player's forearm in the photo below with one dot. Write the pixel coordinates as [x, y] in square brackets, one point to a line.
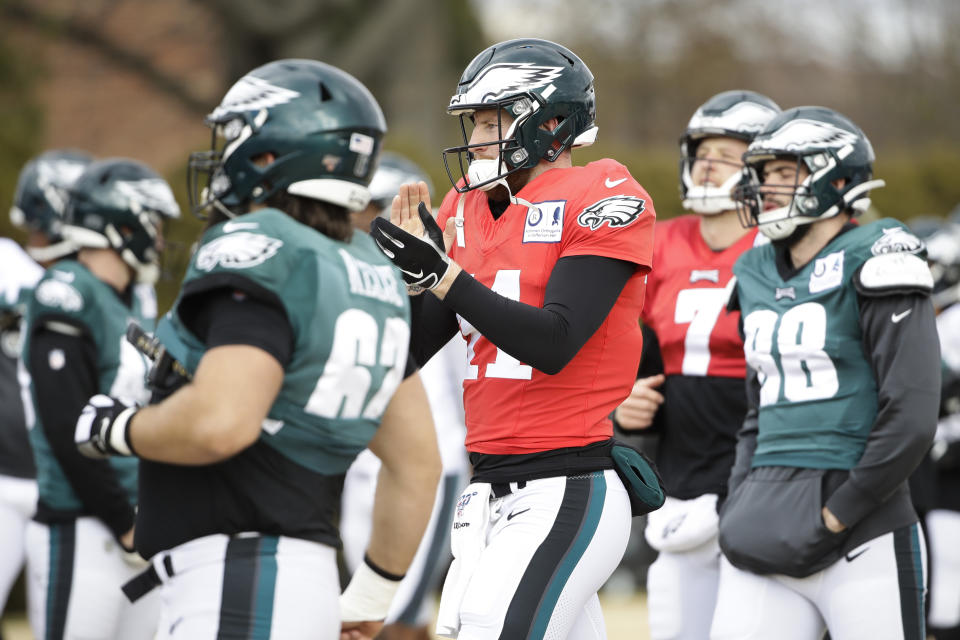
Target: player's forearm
[404, 501]
[578, 297]
[217, 415]
[183, 429]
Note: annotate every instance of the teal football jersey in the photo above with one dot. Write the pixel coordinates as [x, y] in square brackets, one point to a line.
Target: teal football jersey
[350, 316]
[818, 394]
[69, 292]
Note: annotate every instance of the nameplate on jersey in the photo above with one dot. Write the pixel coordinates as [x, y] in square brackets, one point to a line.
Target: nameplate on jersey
[544, 221]
[372, 281]
[713, 275]
[827, 272]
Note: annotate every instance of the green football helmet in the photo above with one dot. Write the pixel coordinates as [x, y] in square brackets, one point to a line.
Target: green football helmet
[830, 147]
[730, 114]
[532, 80]
[43, 190]
[394, 170]
[321, 124]
[120, 204]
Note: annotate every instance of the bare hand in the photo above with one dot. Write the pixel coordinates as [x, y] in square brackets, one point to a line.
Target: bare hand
[127, 540]
[365, 630]
[403, 209]
[638, 410]
[831, 522]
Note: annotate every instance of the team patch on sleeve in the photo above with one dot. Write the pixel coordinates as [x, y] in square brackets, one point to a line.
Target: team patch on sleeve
[57, 293]
[892, 272]
[616, 212]
[896, 239]
[240, 250]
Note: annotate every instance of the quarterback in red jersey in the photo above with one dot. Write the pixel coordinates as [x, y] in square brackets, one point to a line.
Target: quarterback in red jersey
[545, 280]
[701, 400]
[512, 407]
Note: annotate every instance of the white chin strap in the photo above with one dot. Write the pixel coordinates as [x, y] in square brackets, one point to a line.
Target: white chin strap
[709, 200]
[51, 252]
[482, 169]
[780, 228]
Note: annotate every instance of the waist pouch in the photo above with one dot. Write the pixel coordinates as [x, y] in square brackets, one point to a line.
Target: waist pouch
[640, 477]
[772, 523]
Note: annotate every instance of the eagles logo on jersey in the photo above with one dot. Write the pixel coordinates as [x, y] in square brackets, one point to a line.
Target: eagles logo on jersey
[617, 211]
[897, 240]
[240, 250]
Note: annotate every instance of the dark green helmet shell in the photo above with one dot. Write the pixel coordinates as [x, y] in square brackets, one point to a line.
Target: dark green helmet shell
[42, 194]
[533, 80]
[736, 114]
[831, 147]
[321, 124]
[118, 204]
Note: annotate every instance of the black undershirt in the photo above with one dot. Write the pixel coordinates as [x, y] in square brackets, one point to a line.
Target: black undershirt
[579, 295]
[228, 316]
[62, 385]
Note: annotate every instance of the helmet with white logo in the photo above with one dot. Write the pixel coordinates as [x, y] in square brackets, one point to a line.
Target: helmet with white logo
[942, 240]
[119, 204]
[43, 190]
[533, 81]
[393, 171]
[827, 145]
[732, 114]
[323, 127]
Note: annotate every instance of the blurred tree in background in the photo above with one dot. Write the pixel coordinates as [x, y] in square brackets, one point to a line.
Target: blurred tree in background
[135, 77]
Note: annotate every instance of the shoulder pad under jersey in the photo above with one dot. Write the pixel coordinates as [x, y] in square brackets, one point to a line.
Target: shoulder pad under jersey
[896, 272]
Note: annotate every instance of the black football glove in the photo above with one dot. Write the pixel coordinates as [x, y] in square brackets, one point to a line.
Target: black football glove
[422, 261]
[102, 428]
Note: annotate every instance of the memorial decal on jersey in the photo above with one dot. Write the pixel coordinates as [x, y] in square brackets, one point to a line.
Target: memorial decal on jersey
[240, 250]
[615, 212]
[544, 221]
[896, 239]
[827, 272]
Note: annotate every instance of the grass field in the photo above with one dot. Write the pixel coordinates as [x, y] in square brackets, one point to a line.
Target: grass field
[626, 620]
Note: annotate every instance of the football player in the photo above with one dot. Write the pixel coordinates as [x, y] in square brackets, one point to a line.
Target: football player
[292, 335]
[41, 193]
[544, 280]
[818, 529]
[943, 518]
[80, 546]
[696, 397]
[411, 612]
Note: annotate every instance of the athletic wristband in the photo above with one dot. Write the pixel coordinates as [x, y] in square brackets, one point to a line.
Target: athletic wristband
[119, 436]
[368, 596]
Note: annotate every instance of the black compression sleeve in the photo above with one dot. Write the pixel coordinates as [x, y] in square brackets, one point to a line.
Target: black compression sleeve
[433, 325]
[64, 372]
[900, 340]
[579, 295]
[228, 316]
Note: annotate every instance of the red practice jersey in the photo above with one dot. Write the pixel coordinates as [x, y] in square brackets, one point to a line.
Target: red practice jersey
[686, 301]
[597, 210]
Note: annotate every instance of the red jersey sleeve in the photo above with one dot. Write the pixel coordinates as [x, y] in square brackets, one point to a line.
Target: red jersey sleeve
[611, 215]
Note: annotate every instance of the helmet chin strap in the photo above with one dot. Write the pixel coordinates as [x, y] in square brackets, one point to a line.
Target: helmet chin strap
[709, 200]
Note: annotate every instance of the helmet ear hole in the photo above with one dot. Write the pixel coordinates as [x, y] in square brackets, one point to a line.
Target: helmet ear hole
[324, 92]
